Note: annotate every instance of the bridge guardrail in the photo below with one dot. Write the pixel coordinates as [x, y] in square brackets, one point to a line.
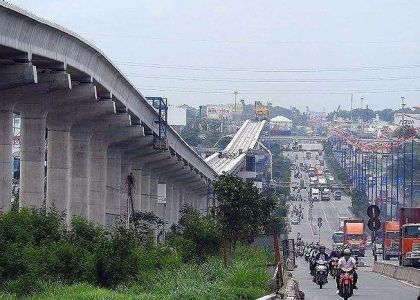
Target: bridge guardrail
[408, 274]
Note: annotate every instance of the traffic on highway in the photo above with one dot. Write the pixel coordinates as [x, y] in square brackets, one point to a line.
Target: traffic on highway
[335, 251]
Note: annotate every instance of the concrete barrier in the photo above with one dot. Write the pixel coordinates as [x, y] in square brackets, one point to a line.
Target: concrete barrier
[408, 274]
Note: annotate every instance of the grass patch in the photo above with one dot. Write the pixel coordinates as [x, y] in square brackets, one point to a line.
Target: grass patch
[245, 278]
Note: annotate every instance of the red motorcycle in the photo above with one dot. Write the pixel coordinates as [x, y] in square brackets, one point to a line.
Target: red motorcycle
[346, 283]
[334, 271]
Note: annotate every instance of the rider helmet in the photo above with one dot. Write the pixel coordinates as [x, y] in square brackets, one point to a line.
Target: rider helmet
[347, 252]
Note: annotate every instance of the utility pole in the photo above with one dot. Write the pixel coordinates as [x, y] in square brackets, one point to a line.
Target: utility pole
[234, 116]
[412, 170]
[386, 187]
[361, 114]
[402, 107]
[392, 177]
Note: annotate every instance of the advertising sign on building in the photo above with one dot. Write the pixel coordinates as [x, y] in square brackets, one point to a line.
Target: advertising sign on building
[219, 112]
[412, 120]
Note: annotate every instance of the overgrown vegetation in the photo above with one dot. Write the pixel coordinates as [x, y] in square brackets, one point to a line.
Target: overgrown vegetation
[359, 200]
[37, 247]
[281, 170]
[246, 278]
[196, 237]
[336, 170]
[242, 211]
[44, 258]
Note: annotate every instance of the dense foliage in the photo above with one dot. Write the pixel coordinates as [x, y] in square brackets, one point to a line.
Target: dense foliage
[242, 211]
[196, 237]
[336, 170]
[246, 278]
[281, 170]
[37, 247]
[386, 114]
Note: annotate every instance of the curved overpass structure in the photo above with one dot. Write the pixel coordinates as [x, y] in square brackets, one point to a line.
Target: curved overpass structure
[96, 125]
[232, 158]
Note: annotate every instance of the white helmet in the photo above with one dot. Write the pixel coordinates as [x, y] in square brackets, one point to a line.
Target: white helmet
[347, 252]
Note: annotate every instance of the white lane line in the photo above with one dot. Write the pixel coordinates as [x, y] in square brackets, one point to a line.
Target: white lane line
[325, 215]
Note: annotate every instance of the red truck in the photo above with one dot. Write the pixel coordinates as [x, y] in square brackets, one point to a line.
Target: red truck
[391, 240]
[355, 236]
[410, 236]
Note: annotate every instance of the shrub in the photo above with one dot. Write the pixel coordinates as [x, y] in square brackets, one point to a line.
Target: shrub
[196, 237]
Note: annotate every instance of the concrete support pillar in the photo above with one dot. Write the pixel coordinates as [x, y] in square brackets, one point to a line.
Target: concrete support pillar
[79, 172]
[154, 182]
[113, 188]
[186, 198]
[97, 180]
[145, 193]
[137, 197]
[6, 146]
[175, 207]
[58, 169]
[125, 171]
[32, 163]
[181, 197]
[161, 207]
[169, 217]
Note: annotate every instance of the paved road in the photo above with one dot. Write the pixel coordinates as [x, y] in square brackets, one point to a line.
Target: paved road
[371, 285]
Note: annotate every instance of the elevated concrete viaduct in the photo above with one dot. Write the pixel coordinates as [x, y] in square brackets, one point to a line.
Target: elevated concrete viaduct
[84, 129]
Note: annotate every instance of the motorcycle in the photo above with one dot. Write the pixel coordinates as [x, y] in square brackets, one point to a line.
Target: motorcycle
[334, 267]
[301, 250]
[307, 252]
[321, 273]
[346, 284]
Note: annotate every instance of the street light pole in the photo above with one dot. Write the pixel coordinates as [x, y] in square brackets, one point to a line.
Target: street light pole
[412, 170]
[404, 173]
[386, 188]
[392, 178]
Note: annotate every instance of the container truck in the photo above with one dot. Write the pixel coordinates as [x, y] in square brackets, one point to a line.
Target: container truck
[355, 237]
[391, 240]
[409, 236]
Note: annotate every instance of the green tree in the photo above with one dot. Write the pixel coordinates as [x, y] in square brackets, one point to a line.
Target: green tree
[242, 210]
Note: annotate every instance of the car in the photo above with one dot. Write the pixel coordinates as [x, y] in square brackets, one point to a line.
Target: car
[295, 185]
[337, 195]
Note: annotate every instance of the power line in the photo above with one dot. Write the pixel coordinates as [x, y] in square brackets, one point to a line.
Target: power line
[295, 80]
[276, 92]
[258, 70]
[231, 41]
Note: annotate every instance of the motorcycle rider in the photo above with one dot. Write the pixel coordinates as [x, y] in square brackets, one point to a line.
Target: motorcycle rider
[312, 259]
[347, 262]
[320, 256]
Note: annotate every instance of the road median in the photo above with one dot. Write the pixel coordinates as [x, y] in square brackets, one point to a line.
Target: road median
[410, 275]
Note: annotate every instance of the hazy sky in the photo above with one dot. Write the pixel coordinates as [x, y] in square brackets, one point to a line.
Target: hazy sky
[293, 52]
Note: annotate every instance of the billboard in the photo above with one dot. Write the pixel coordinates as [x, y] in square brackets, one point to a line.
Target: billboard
[412, 120]
[223, 111]
[219, 112]
[177, 116]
